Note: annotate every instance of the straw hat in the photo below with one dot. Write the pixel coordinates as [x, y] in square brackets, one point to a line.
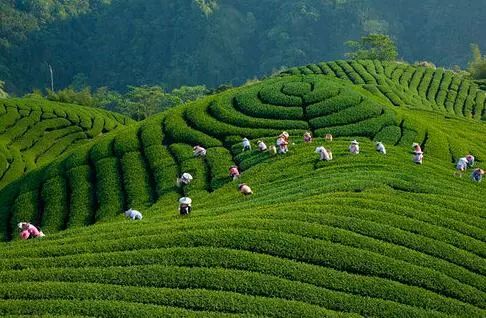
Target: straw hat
[185, 200]
[355, 142]
[21, 225]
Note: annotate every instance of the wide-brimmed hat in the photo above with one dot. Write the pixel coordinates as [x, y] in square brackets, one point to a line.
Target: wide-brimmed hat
[355, 142]
[186, 175]
[415, 144]
[21, 225]
[185, 200]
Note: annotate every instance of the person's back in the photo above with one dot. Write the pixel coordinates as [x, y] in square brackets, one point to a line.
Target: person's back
[262, 146]
[199, 151]
[29, 231]
[185, 205]
[245, 189]
[380, 147]
[461, 164]
[323, 153]
[418, 157]
[307, 137]
[282, 145]
[354, 147]
[133, 214]
[246, 144]
[185, 179]
[185, 209]
[234, 173]
[477, 175]
[416, 147]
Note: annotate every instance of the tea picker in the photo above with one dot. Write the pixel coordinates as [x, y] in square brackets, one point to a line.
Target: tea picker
[185, 206]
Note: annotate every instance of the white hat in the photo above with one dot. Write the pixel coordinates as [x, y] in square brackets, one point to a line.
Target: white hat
[245, 138]
[319, 149]
[185, 200]
[415, 144]
[187, 176]
[355, 142]
[21, 225]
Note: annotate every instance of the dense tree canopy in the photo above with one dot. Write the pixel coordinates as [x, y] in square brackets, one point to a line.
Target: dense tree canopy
[477, 65]
[373, 47]
[117, 43]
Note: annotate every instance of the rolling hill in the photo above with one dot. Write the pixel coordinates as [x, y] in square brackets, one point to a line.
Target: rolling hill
[365, 235]
[34, 132]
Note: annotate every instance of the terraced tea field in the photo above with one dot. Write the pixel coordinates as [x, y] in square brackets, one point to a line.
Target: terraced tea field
[361, 235]
[35, 132]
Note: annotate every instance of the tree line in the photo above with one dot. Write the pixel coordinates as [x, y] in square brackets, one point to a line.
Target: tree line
[118, 43]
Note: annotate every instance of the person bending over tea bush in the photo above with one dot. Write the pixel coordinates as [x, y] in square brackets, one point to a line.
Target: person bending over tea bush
[477, 175]
[29, 231]
[133, 214]
[185, 206]
[307, 137]
[185, 179]
[245, 189]
[325, 154]
[418, 157]
[380, 147]
[354, 147]
[261, 146]
[234, 173]
[246, 144]
[199, 151]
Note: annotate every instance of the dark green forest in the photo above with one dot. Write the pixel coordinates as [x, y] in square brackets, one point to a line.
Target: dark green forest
[116, 43]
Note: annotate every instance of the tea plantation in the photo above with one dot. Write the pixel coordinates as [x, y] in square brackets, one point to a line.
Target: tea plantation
[359, 236]
[35, 132]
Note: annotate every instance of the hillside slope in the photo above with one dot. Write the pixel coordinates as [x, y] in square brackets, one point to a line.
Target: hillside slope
[365, 235]
[34, 132]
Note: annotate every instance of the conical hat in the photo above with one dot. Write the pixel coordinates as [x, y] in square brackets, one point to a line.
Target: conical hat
[185, 200]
